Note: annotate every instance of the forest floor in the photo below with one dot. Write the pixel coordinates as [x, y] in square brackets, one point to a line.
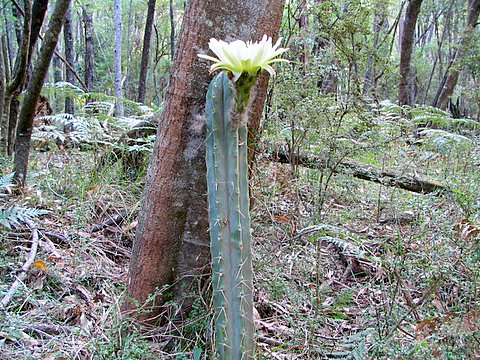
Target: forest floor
[344, 268]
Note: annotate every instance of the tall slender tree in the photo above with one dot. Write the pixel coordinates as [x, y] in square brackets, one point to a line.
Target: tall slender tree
[172, 29]
[27, 112]
[147, 42]
[117, 56]
[406, 49]
[19, 75]
[172, 243]
[87, 18]
[69, 58]
[448, 86]
[3, 82]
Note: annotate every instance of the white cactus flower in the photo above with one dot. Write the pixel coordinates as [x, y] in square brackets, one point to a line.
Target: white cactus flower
[239, 57]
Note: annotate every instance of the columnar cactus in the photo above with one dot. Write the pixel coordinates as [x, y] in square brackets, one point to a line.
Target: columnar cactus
[227, 178]
[229, 223]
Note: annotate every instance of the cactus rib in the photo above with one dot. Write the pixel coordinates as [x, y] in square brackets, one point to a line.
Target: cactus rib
[227, 178]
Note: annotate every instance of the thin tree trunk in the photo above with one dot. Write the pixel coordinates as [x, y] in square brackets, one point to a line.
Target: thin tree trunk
[379, 20]
[454, 72]
[27, 113]
[172, 31]
[406, 49]
[69, 58]
[89, 46]
[32, 23]
[172, 242]
[147, 41]
[57, 77]
[11, 53]
[128, 91]
[117, 56]
[3, 84]
[57, 69]
[15, 86]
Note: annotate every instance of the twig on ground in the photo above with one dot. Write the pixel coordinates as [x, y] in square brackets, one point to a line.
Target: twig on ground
[28, 262]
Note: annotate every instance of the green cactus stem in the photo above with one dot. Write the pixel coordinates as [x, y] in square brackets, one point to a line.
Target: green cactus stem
[227, 178]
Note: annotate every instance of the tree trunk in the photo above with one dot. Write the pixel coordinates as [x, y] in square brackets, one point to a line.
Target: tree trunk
[172, 244]
[172, 31]
[147, 41]
[27, 113]
[15, 86]
[454, 72]
[69, 58]
[89, 46]
[11, 53]
[3, 81]
[370, 72]
[57, 69]
[128, 50]
[406, 48]
[117, 56]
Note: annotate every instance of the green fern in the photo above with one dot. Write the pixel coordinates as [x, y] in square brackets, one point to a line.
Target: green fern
[6, 181]
[14, 215]
[439, 118]
[444, 141]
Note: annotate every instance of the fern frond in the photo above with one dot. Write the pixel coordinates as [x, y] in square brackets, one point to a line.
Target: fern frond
[473, 124]
[14, 215]
[6, 181]
[444, 140]
[100, 107]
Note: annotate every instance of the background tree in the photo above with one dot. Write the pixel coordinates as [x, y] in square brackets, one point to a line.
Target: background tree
[448, 86]
[172, 243]
[69, 58]
[405, 94]
[29, 105]
[147, 41]
[117, 56]
[87, 17]
[18, 78]
[3, 81]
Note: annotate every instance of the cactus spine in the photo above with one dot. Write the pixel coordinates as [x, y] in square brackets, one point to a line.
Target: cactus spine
[227, 178]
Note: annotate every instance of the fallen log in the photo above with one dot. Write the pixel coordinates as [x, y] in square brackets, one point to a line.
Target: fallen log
[393, 178]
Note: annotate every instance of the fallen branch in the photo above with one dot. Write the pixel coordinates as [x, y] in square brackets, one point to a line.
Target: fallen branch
[26, 266]
[356, 169]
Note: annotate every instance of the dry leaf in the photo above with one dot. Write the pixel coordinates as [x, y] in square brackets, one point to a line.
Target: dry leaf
[41, 265]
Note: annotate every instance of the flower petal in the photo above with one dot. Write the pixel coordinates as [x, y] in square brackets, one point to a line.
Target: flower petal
[240, 57]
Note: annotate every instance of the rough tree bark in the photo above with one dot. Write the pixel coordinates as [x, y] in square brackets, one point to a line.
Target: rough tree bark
[454, 72]
[89, 45]
[69, 58]
[406, 48]
[27, 112]
[172, 242]
[117, 56]
[147, 41]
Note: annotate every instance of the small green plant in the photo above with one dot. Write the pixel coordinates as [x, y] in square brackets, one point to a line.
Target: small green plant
[14, 215]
